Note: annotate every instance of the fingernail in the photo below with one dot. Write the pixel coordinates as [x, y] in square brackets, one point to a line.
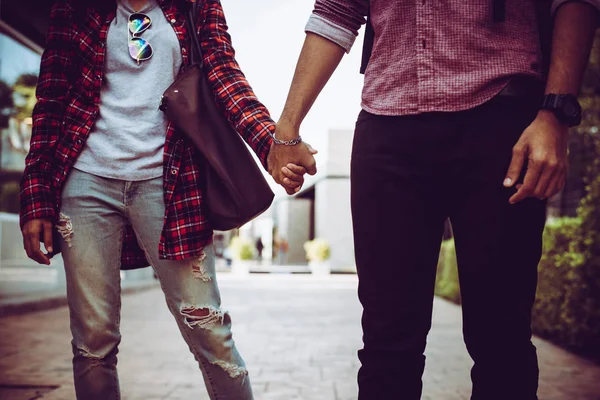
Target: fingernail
[507, 182]
[50, 249]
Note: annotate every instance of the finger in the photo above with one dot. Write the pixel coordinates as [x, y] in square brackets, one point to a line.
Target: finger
[48, 236]
[297, 169]
[311, 166]
[529, 183]
[36, 252]
[27, 245]
[516, 165]
[544, 182]
[290, 191]
[277, 176]
[291, 175]
[556, 184]
[292, 184]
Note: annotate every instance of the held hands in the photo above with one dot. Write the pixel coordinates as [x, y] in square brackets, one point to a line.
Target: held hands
[32, 232]
[288, 164]
[544, 145]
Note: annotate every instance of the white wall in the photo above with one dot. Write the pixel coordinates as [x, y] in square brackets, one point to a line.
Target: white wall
[333, 221]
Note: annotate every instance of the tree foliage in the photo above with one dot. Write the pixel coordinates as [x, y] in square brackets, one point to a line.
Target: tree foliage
[6, 103]
[24, 94]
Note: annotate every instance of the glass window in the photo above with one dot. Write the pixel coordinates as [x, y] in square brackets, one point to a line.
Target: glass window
[19, 68]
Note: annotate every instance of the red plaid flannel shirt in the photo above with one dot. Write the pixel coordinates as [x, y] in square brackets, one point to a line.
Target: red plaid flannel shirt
[68, 95]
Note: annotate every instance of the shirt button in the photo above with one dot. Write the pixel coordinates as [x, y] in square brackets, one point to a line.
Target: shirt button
[173, 20]
[174, 171]
[184, 50]
[78, 141]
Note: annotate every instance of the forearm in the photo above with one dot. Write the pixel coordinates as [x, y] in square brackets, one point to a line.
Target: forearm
[574, 27]
[318, 59]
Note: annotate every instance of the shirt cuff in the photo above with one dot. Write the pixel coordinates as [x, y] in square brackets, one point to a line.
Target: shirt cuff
[558, 3]
[331, 31]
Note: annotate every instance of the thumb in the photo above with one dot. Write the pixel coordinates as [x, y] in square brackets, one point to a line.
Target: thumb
[516, 165]
[311, 149]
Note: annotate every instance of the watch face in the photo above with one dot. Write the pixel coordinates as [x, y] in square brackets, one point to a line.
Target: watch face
[570, 109]
[565, 107]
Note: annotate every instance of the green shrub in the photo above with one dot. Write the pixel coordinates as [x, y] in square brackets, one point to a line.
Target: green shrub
[567, 307]
[241, 249]
[317, 250]
[446, 283]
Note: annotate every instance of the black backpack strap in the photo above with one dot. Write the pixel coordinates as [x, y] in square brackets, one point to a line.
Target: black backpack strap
[545, 26]
[367, 45]
[499, 10]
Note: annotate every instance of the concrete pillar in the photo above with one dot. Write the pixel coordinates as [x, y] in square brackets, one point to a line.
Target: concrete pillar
[333, 221]
[293, 225]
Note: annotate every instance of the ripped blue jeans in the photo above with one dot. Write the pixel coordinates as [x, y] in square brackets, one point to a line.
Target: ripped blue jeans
[94, 214]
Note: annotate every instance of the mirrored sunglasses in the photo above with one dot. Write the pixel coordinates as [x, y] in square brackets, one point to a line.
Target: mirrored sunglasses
[139, 48]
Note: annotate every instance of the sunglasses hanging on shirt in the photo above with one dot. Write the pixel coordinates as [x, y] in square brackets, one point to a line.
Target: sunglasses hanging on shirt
[139, 48]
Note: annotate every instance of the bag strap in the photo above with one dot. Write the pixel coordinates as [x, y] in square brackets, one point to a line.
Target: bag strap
[499, 10]
[367, 45]
[195, 48]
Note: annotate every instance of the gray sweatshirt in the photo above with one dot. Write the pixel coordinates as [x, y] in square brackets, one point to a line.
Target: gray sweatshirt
[128, 138]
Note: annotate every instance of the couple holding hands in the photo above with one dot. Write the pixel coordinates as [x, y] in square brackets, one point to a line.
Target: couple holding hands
[465, 114]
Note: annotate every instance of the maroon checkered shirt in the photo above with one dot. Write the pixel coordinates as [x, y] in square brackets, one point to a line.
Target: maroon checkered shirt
[432, 55]
[68, 98]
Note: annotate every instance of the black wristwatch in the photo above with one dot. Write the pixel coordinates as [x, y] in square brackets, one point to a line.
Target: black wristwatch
[565, 107]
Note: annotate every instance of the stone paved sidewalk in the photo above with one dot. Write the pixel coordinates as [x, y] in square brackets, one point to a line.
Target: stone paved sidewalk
[298, 334]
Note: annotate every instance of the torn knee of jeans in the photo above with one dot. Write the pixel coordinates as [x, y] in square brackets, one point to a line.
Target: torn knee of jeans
[233, 370]
[202, 317]
[199, 270]
[86, 353]
[65, 228]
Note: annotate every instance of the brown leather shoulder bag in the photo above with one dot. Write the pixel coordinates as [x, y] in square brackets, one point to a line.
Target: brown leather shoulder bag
[235, 189]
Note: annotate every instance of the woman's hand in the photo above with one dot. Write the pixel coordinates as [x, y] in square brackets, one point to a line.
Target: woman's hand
[32, 232]
[288, 164]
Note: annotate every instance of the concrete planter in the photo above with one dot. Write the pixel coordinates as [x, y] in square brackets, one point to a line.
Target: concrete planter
[319, 268]
[240, 267]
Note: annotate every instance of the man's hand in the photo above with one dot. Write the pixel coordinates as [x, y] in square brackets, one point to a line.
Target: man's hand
[32, 232]
[544, 145]
[288, 164]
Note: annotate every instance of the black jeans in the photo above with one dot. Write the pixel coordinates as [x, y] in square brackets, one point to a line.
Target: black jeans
[409, 174]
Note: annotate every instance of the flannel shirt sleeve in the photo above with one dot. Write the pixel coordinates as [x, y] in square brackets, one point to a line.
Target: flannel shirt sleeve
[247, 115]
[338, 20]
[37, 197]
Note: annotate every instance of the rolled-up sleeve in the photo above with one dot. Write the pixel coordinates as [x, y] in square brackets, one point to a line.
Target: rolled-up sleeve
[338, 20]
[557, 3]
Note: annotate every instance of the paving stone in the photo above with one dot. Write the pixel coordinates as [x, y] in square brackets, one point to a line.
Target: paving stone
[292, 352]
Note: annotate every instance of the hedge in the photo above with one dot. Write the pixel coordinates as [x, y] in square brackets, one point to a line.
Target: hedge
[567, 307]
[446, 282]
